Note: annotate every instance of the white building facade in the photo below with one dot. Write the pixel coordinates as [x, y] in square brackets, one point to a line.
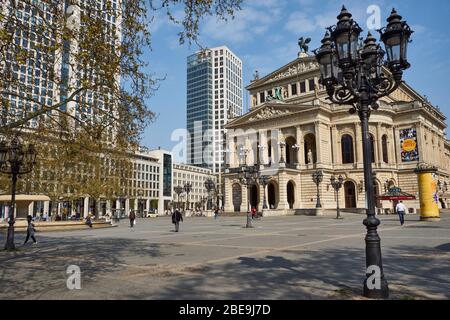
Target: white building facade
[198, 196]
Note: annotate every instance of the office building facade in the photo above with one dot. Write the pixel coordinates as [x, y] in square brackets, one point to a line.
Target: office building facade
[214, 95]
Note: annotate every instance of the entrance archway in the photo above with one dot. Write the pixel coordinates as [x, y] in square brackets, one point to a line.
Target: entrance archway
[350, 195]
[237, 197]
[291, 194]
[272, 195]
[254, 199]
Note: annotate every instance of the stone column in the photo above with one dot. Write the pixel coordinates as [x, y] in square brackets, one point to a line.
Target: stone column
[300, 143]
[335, 146]
[108, 207]
[264, 153]
[282, 189]
[46, 207]
[398, 148]
[31, 208]
[250, 146]
[147, 204]
[86, 207]
[317, 133]
[358, 145]
[261, 197]
[229, 195]
[231, 156]
[127, 206]
[420, 141]
[244, 203]
[275, 147]
[379, 145]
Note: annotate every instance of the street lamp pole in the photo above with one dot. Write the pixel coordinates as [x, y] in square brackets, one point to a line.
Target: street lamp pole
[187, 189]
[178, 190]
[358, 76]
[209, 186]
[337, 185]
[264, 181]
[317, 177]
[15, 159]
[249, 176]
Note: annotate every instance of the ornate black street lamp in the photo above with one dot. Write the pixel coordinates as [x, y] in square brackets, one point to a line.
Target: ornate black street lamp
[178, 190]
[357, 75]
[210, 186]
[15, 159]
[249, 176]
[337, 185]
[140, 194]
[317, 177]
[187, 188]
[264, 181]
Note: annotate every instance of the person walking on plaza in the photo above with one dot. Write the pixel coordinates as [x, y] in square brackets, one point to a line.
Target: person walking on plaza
[30, 231]
[176, 218]
[401, 209]
[216, 213]
[254, 213]
[132, 218]
[89, 220]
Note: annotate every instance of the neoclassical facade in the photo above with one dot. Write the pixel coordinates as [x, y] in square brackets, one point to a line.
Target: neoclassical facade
[292, 130]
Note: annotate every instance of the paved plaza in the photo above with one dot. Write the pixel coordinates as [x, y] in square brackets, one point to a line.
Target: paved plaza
[294, 257]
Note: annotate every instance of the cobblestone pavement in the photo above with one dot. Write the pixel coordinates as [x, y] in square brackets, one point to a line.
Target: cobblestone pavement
[281, 258]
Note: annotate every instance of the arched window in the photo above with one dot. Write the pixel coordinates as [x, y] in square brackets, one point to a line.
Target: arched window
[372, 147]
[384, 147]
[347, 149]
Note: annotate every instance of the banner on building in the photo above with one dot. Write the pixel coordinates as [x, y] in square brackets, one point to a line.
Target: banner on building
[408, 144]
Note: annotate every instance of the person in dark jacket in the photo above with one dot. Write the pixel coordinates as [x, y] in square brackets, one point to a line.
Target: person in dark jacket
[132, 218]
[30, 231]
[176, 218]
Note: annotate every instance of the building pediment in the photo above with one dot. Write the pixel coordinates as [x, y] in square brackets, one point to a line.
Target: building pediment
[293, 69]
[268, 112]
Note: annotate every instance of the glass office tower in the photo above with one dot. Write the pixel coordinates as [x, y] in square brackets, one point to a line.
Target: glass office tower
[214, 95]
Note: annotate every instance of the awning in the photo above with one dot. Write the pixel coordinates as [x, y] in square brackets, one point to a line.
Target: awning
[25, 197]
[396, 194]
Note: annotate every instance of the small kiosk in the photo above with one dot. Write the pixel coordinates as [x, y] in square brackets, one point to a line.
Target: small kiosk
[395, 195]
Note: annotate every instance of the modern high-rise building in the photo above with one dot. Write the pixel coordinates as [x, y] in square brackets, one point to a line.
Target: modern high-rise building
[214, 95]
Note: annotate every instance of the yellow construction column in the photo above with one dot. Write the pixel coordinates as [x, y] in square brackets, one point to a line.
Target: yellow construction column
[428, 193]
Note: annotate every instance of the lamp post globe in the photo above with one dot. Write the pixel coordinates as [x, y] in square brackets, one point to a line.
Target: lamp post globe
[359, 78]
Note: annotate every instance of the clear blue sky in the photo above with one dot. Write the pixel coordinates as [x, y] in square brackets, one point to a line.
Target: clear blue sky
[264, 35]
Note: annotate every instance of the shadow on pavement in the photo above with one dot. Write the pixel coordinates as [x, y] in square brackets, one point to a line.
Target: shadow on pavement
[33, 269]
[329, 273]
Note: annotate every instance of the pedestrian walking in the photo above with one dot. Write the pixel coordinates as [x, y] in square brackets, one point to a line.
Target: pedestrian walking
[254, 212]
[176, 218]
[132, 219]
[30, 231]
[89, 220]
[216, 213]
[401, 209]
